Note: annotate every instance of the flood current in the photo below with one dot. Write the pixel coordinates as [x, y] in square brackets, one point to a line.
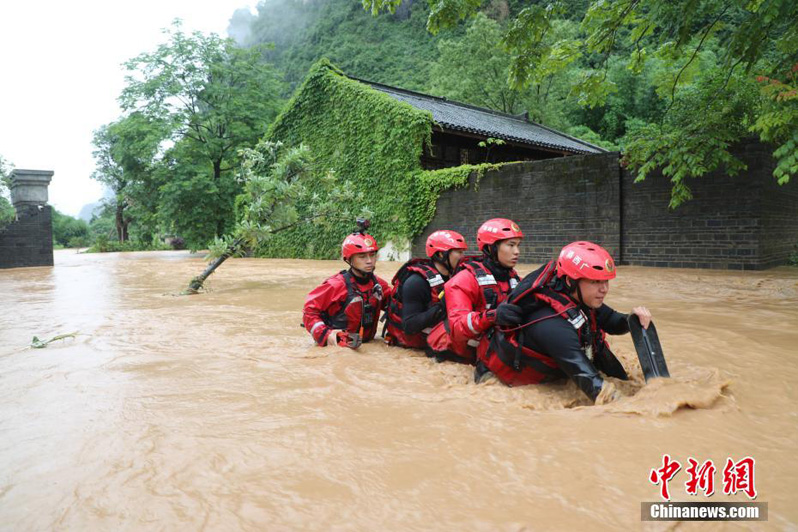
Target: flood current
[217, 412]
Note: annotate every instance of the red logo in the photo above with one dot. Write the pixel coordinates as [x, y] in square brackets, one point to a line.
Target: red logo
[737, 476]
[664, 474]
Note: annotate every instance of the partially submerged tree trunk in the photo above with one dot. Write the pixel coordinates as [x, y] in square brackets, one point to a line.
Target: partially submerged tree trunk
[197, 282]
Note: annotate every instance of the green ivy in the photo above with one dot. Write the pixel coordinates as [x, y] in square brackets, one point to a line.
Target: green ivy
[373, 141]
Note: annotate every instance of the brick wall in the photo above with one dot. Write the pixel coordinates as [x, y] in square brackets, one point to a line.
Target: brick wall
[29, 240]
[743, 222]
[555, 201]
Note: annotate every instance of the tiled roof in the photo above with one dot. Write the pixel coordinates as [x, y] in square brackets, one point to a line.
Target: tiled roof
[463, 117]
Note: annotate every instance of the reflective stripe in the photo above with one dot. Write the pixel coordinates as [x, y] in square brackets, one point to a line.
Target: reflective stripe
[316, 326]
[513, 282]
[471, 324]
[483, 280]
[473, 343]
[435, 281]
[427, 330]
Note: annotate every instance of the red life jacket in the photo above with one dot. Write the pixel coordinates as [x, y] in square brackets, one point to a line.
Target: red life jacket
[394, 333]
[360, 310]
[493, 292]
[515, 364]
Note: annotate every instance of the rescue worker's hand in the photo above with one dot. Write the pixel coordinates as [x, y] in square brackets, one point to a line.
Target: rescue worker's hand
[440, 310]
[508, 315]
[608, 394]
[348, 339]
[332, 337]
[644, 315]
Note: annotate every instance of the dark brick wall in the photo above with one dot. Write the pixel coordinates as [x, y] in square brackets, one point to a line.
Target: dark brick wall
[555, 201]
[740, 222]
[29, 240]
[778, 215]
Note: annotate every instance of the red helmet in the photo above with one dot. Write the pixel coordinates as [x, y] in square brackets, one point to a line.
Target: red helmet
[444, 241]
[357, 243]
[585, 260]
[497, 229]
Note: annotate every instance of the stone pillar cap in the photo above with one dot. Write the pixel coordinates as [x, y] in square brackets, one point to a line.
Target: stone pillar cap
[29, 187]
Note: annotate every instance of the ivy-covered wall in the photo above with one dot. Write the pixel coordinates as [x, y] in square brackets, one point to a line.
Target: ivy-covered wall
[371, 140]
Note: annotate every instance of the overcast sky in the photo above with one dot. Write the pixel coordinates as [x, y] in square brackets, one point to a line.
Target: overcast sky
[60, 75]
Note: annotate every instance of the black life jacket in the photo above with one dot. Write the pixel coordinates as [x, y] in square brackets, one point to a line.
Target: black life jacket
[513, 362]
[394, 332]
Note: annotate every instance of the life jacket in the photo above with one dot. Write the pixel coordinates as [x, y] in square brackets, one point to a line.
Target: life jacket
[359, 311]
[493, 292]
[514, 363]
[393, 332]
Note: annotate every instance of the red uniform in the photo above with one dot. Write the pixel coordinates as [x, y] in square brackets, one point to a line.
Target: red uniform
[471, 297]
[344, 302]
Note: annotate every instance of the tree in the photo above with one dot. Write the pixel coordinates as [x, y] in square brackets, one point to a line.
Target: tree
[275, 180]
[69, 231]
[7, 213]
[474, 69]
[124, 154]
[214, 97]
[746, 38]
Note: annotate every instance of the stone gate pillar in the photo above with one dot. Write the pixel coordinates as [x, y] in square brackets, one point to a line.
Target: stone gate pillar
[28, 241]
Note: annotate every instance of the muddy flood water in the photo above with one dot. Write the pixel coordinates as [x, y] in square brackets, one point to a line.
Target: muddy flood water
[216, 411]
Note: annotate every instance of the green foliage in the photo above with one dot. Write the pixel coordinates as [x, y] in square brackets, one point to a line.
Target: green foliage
[636, 66]
[695, 139]
[209, 98]
[394, 49]
[430, 184]
[276, 180]
[124, 154]
[7, 212]
[474, 69]
[778, 124]
[69, 231]
[364, 136]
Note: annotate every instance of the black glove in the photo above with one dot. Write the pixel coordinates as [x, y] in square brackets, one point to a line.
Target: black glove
[440, 310]
[508, 315]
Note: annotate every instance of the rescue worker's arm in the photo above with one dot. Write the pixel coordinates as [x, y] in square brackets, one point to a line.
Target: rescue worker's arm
[463, 295]
[417, 314]
[558, 339]
[612, 321]
[319, 300]
[387, 291]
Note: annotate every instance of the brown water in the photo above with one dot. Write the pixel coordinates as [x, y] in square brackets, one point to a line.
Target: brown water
[216, 412]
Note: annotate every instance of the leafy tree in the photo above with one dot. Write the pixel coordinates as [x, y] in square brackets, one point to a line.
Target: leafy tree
[124, 154]
[394, 48]
[7, 213]
[275, 180]
[738, 38]
[777, 122]
[214, 98]
[474, 69]
[69, 231]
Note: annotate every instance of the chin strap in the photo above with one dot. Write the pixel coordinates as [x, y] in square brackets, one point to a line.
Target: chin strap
[442, 258]
[359, 273]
